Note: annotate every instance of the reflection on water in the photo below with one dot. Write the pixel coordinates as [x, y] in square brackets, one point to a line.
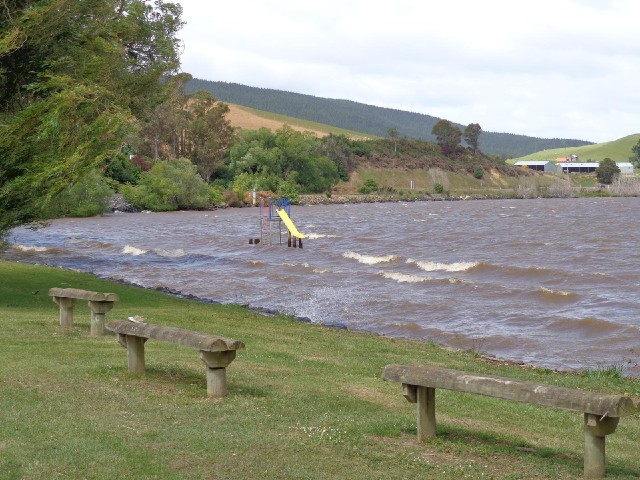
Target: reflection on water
[549, 282]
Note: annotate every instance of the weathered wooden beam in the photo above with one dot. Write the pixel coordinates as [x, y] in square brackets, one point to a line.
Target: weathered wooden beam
[201, 341]
[83, 295]
[510, 389]
[99, 303]
[216, 352]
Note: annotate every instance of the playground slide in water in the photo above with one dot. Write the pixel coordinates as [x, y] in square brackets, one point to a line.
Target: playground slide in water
[287, 221]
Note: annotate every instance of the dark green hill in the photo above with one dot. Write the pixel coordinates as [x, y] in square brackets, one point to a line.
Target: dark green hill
[367, 119]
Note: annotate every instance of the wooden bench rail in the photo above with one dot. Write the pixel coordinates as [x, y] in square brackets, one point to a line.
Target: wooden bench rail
[601, 412]
[510, 389]
[188, 338]
[216, 352]
[99, 304]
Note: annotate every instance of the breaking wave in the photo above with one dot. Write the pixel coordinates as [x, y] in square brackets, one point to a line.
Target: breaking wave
[556, 293]
[29, 248]
[129, 250]
[444, 267]
[314, 236]
[403, 277]
[370, 259]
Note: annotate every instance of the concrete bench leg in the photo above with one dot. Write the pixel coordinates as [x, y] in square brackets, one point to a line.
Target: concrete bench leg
[426, 406]
[595, 430]
[135, 351]
[425, 400]
[216, 363]
[98, 312]
[66, 310]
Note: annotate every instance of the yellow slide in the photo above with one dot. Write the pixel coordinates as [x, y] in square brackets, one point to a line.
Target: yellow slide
[287, 221]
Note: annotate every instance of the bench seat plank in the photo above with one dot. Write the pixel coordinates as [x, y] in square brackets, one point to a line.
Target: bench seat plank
[510, 389]
[601, 412]
[216, 352]
[201, 341]
[99, 304]
[83, 295]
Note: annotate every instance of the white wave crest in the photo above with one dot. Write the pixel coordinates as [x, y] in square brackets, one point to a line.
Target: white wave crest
[403, 277]
[25, 248]
[445, 267]
[129, 250]
[170, 253]
[314, 236]
[370, 259]
[560, 293]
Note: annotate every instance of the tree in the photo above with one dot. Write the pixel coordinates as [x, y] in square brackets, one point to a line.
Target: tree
[393, 135]
[208, 134]
[76, 77]
[607, 171]
[471, 135]
[448, 136]
[339, 148]
[635, 158]
[191, 126]
[297, 157]
[170, 185]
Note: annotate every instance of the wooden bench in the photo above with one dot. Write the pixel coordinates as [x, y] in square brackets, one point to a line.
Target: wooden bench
[601, 412]
[216, 352]
[99, 303]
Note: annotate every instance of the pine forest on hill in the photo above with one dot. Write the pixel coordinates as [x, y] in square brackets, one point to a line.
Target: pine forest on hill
[368, 119]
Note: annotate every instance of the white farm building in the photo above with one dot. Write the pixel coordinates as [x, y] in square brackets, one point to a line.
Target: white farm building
[626, 168]
[538, 165]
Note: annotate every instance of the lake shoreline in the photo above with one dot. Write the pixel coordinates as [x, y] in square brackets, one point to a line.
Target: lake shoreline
[270, 312]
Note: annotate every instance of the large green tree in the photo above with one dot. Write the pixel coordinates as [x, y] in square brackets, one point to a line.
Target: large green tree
[190, 126]
[270, 158]
[448, 136]
[607, 171]
[76, 77]
[471, 135]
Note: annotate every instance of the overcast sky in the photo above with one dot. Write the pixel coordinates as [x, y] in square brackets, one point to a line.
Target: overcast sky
[546, 68]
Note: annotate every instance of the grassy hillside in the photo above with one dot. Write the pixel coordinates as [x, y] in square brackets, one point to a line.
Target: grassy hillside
[253, 119]
[618, 150]
[305, 401]
[368, 119]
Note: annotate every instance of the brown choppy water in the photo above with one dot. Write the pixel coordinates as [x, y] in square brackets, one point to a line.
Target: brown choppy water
[548, 282]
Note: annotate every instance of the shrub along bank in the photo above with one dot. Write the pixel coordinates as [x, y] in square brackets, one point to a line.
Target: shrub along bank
[305, 401]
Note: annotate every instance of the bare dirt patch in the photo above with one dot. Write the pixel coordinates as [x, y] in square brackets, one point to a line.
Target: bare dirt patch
[242, 118]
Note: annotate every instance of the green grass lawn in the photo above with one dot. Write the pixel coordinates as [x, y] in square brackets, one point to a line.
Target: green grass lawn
[305, 402]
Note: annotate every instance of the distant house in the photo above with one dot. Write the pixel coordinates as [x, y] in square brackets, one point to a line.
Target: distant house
[626, 168]
[538, 165]
[570, 158]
